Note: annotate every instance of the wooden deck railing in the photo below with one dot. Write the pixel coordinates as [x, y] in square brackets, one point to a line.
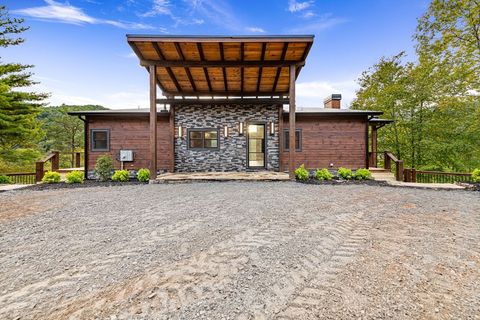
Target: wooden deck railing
[22, 178]
[388, 158]
[54, 158]
[423, 176]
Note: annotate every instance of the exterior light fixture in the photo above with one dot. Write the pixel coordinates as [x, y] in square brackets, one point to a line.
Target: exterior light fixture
[272, 128]
[225, 131]
[180, 131]
[240, 130]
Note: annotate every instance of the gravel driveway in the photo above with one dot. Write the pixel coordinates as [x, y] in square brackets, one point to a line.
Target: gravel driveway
[242, 250]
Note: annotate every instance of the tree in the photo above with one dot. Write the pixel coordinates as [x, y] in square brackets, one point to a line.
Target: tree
[18, 108]
[62, 131]
[449, 32]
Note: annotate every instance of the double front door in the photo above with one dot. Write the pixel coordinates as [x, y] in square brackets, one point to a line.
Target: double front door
[256, 146]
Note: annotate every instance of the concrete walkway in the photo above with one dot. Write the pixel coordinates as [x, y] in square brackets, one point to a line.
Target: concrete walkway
[388, 177]
[8, 187]
[223, 176]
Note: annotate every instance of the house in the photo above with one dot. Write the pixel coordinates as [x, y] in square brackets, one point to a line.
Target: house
[224, 111]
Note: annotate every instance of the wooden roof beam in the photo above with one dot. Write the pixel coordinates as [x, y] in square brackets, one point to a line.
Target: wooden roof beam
[205, 71]
[140, 56]
[169, 71]
[279, 70]
[242, 101]
[187, 70]
[222, 64]
[242, 70]
[260, 71]
[224, 71]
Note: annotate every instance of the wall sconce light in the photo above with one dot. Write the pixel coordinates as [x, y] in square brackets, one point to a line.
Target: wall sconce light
[272, 128]
[225, 131]
[240, 130]
[180, 131]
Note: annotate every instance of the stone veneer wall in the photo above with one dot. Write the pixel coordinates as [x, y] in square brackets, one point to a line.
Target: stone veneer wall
[232, 152]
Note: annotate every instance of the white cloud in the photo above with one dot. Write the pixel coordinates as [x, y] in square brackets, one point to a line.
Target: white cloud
[295, 6]
[311, 94]
[255, 30]
[160, 7]
[318, 25]
[66, 13]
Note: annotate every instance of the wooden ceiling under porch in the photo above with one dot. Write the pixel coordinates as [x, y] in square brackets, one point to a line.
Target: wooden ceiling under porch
[222, 66]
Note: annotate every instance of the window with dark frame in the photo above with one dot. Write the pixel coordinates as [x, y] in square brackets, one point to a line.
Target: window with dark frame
[298, 139]
[100, 139]
[203, 138]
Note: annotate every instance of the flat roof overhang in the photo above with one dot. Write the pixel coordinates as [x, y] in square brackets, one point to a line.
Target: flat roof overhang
[220, 66]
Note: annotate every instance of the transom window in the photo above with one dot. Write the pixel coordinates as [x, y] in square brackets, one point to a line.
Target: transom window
[203, 138]
[298, 139]
[100, 139]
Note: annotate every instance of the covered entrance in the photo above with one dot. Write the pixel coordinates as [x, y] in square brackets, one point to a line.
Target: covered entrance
[237, 79]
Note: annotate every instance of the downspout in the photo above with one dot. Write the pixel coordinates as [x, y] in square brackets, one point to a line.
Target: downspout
[85, 146]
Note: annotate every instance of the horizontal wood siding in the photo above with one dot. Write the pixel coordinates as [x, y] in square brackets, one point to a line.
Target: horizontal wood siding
[325, 140]
[133, 134]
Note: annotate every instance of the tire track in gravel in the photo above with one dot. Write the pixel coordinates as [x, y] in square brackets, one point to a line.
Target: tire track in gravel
[339, 247]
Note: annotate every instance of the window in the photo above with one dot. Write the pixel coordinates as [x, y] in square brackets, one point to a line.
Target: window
[298, 140]
[100, 139]
[203, 138]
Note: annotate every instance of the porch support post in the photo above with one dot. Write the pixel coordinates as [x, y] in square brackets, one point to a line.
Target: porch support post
[153, 122]
[374, 147]
[291, 124]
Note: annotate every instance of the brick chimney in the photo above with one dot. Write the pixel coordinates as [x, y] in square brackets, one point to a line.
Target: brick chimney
[333, 101]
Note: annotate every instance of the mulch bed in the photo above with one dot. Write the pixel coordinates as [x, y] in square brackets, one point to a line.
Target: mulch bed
[85, 184]
[340, 182]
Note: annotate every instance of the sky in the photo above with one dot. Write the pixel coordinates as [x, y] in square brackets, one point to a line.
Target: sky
[81, 55]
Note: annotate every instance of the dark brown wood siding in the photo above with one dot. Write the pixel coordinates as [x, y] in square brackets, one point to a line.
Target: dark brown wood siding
[133, 134]
[325, 140]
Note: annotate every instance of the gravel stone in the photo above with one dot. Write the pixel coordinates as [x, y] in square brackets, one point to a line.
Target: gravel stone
[239, 250]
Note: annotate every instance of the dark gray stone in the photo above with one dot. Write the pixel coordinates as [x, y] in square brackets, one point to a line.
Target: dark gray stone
[232, 152]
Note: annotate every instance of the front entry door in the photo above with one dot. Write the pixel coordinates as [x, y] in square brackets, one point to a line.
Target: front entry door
[256, 145]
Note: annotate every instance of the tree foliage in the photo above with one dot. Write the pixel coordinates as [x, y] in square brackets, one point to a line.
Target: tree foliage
[18, 107]
[433, 101]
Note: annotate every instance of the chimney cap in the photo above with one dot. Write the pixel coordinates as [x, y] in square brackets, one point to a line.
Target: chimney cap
[335, 96]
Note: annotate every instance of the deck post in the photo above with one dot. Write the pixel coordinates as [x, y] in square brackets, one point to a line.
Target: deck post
[153, 122]
[39, 171]
[291, 124]
[374, 147]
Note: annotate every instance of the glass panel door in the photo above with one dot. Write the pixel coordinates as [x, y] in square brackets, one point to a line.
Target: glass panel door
[256, 145]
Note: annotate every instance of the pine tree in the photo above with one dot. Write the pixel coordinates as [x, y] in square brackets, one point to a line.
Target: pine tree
[19, 108]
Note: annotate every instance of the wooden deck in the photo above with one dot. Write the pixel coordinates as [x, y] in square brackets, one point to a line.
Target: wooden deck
[222, 176]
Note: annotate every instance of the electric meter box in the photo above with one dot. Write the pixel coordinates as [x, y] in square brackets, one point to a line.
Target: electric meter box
[126, 155]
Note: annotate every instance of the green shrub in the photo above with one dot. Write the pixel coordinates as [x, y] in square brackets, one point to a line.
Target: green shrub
[301, 173]
[345, 173]
[120, 176]
[104, 167]
[75, 177]
[5, 180]
[323, 174]
[51, 177]
[143, 175]
[363, 174]
[476, 175]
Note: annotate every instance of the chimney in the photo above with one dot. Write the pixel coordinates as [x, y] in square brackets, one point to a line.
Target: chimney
[333, 101]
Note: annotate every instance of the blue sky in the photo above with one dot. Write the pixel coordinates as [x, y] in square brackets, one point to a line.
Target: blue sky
[81, 56]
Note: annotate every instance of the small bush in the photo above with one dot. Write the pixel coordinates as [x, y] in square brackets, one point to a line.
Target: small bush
[120, 176]
[51, 177]
[75, 177]
[143, 175]
[104, 168]
[5, 180]
[301, 173]
[363, 174]
[323, 174]
[476, 175]
[345, 173]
